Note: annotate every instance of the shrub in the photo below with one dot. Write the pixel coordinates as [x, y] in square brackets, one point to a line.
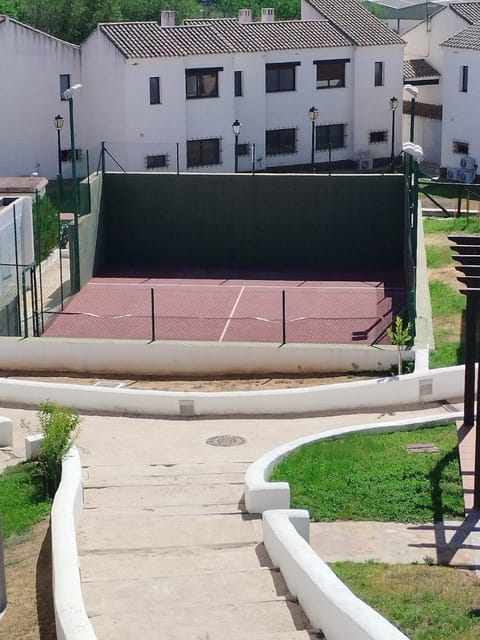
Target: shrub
[60, 427]
[45, 227]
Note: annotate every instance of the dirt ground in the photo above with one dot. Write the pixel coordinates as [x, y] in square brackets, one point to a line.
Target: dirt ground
[29, 614]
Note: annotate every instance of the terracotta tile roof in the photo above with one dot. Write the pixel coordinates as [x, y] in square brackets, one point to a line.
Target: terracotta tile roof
[469, 11]
[362, 27]
[424, 109]
[151, 40]
[469, 38]
[418, 69]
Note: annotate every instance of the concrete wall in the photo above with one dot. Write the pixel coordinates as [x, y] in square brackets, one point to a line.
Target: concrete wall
[88, 231]
[327, 602]
[263, 220]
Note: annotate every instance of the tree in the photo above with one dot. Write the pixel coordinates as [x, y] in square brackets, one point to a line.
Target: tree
[400, 336]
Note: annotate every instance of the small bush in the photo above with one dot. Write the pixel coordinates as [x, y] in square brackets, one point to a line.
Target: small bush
[46, 228]
[60, 427]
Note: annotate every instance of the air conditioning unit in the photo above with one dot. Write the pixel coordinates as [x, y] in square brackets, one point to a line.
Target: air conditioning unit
[466, 176]
[364, 164]
[452, 173]
[468, 164]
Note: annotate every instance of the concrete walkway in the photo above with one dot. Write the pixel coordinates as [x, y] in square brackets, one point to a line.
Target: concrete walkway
[166, 548]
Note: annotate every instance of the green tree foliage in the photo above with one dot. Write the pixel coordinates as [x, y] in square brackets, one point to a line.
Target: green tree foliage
[400, 336]
[284, 9]
[377, 9]
[9, 8]
[45, 228]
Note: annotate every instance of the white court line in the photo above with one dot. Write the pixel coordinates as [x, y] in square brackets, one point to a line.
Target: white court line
[249, 286]
[231, 314]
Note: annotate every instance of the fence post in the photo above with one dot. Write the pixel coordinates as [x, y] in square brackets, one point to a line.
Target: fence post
[254, 159]
[178, 158]
[25, 311]
[102, 156]
[284, 319]
[19, 312]
[3, 584]
[152, 306]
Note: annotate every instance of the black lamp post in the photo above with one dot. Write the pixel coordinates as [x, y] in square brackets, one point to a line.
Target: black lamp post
[236, 126]
[393, 108]
[68, 95]
[58, 121]
[313, 115]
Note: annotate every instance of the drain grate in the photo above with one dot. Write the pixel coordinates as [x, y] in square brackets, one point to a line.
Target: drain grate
[226, 441]
[422, 447]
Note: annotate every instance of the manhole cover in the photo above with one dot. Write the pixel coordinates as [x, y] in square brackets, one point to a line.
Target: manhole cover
[422, 447]
[226, 441]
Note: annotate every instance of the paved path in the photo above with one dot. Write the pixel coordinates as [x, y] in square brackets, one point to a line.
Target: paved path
[166, 548]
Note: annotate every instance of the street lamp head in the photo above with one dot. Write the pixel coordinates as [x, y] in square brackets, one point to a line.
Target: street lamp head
[68, 93]
[313, 113]
[58, 121]
[413, 91]
[414, 150]
[393, 103]
[236, 126]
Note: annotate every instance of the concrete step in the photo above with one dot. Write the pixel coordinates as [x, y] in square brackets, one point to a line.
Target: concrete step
[139, 529]
[149, 563]
[142, 496]
[247, 621]
[221, 508]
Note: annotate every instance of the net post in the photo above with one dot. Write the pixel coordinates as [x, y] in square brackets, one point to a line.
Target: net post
[152, 307]
[284, 320]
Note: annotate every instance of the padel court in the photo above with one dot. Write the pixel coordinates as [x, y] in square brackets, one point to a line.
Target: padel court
[268, 258]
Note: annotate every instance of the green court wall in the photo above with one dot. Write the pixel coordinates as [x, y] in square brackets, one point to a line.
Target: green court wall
[264, 221]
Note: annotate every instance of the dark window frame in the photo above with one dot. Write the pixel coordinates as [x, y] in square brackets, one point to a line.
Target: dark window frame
[65, 84]
[154, 86]
[238, 84]
[281, 147]
[156, 161]
[328, 136]
[461, 147]
[379, 136]
[332, 73]
[66, 155]
[464, 78]
[198, 86]
[378, 75]
[243, 149]
[280, 77]
[202, 152]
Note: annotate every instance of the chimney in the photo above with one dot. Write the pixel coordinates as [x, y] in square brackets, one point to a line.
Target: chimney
[244, 16]
[167, 18]
[268, 15]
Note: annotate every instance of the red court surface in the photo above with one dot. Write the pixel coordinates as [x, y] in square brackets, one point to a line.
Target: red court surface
[226, 310]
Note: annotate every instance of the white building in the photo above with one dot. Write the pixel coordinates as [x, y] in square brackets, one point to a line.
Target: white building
[34, 69]
[425, 67]
[164, 96]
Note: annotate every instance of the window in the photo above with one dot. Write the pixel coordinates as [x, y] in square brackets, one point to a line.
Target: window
[159, 161]
[66, 155]
[202, 83]
[460, 146]
[378, 136]
[280, 77]
[238, 82]
[330, 136]
[64, 84]
[243, 149]
[203, 152]
[331, 73]
[280, 141]
[464, 79]
[155, 90]
[378, 79]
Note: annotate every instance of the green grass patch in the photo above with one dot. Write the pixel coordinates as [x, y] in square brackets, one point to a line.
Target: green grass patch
[23, 498]
[425, 602]
[447, 354]
[438, 256]
[374, 477]
[445, 299]
[450, 225]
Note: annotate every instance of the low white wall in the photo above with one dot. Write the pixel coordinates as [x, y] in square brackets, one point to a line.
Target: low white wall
[71, 619]
[6, 432]
[434, 385]
[262, 495]
[327, 602]
[192, 358]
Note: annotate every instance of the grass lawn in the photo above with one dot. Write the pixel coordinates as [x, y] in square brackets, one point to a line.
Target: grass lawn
[425, 602]
[374, 477]
[23, 500]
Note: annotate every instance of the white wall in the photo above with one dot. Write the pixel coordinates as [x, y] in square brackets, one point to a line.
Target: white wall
[16, 218]
[460, 109]
[30, 66]
[428, 134]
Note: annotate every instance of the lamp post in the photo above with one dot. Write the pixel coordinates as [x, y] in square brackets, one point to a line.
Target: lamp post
[236, 126]
[58, 121]
[313, 115]
[393, 108]
[68, 95]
